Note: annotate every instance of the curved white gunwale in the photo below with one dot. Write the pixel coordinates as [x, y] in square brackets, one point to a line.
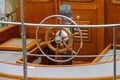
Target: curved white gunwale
[75, 72]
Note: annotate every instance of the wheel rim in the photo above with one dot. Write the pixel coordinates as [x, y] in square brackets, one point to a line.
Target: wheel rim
[81, 42]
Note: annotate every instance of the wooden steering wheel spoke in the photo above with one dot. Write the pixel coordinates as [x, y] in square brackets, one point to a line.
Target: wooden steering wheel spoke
[51, 41]
[57, 48]
[77, 33]
[66, 45]
[70, 48]
[53, 33]
[74, 52]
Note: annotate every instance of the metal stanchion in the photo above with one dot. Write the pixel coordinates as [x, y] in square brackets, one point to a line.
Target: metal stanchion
[23, 40]
[114, 47]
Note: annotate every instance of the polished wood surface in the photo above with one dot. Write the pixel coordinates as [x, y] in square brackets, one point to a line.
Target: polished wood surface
[112, 16]
[34, 12]
[15, 44]
[90, 12]
[9, 32]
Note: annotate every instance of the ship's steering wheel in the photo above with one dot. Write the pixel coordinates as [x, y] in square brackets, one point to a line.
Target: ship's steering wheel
[60, 39]
[54, 34]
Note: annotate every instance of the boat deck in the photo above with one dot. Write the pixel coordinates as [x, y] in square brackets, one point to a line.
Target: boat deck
[10, 56]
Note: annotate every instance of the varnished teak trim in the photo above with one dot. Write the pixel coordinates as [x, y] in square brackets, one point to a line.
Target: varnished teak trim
[115, 2]
[81, 0]
[38, 1]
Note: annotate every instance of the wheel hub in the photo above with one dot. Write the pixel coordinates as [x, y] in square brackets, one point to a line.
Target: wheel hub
[58, 39]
